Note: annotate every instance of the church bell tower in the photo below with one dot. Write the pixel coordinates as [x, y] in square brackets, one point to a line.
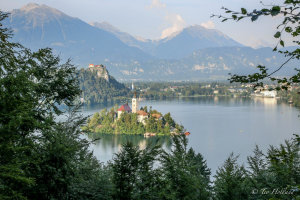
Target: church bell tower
[134, 103]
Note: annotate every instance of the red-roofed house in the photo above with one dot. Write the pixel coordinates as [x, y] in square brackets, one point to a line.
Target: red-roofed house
[156, 116]
[124, 108]
[142, 115]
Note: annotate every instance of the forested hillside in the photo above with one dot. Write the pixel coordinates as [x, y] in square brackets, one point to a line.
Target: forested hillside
[97, 89]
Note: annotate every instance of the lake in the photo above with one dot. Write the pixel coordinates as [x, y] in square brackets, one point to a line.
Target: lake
[218, 126]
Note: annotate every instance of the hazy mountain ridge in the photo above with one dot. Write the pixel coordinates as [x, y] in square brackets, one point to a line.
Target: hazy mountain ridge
[195, 53]
[205, 64]
[67, 35]
[191, 39]
[177, 45]
[144, 44]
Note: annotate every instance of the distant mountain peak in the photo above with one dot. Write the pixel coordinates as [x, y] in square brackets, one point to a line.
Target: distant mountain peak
[197, 27]
[29, 7]
[40, 9]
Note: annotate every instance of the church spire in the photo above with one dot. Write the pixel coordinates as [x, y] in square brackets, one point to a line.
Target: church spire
[134, 103]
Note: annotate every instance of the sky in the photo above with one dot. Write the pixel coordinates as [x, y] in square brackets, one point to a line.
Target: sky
[155, 19]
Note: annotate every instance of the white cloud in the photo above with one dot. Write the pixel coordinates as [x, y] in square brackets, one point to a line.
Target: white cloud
[177, 24]
[209, 24]
[175, 21]
[157, 4]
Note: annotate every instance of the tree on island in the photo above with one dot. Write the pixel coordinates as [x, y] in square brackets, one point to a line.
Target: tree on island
[290, 26]
[107, 122]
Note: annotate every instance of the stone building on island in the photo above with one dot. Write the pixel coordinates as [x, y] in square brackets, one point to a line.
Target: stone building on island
[141, 114]
[124, 108]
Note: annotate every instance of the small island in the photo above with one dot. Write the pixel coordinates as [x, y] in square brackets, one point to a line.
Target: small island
[124, 120]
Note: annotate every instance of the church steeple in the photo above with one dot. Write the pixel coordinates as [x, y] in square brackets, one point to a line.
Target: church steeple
[134, 103]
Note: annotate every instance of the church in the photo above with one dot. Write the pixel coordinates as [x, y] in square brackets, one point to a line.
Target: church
[142, 115]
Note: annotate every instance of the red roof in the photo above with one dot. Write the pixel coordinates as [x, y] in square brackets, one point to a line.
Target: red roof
[156, 115]
[124, 108]
[141, 112]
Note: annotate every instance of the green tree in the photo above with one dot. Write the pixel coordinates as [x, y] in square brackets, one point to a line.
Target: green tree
[169, 120]
[230, 181]
[41, 158]
[124, 168]
[186, 174]
[33, 85]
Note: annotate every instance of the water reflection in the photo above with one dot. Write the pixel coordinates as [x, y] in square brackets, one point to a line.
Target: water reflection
[108, 144]
[266, 101]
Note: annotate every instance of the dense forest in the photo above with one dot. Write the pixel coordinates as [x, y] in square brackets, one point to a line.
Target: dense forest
[99, 90]
[107, 122]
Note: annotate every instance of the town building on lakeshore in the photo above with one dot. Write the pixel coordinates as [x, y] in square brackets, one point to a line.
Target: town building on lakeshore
[267, 93]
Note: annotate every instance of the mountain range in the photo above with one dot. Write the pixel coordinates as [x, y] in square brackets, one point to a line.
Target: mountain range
[194, 53]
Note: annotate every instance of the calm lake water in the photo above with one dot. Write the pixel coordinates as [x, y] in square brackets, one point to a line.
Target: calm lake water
[218, 126]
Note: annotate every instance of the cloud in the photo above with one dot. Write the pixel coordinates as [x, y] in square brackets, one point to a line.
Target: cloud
[157, 4]
[177, 24]
[209, 24]
[175, 21]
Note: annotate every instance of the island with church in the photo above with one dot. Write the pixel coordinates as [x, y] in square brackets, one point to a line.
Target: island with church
[126, 120]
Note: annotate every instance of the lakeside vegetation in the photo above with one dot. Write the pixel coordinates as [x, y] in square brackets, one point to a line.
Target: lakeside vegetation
[291, 96]
[163, 90]
[107, 122]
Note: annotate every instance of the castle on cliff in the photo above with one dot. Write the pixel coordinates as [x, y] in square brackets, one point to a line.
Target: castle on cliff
[100, 70]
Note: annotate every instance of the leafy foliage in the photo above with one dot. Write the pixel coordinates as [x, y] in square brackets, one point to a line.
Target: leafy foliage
[289, 11]
[41, 158]
[180, 174]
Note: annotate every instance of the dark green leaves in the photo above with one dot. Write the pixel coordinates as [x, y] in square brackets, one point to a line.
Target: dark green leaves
[277, 34]
[244, 11]
[288, 29]
[275, 10]
[254, 18]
